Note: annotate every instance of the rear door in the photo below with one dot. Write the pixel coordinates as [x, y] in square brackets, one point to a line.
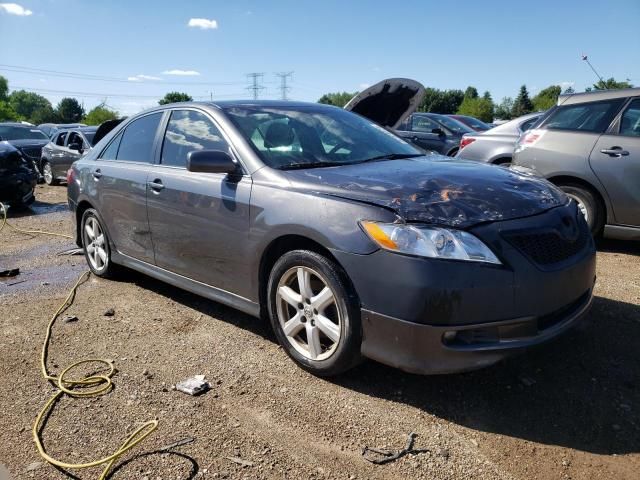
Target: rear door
[199, 221]
[68, 155]
[119, 185]
[419, 129]
[615, 159]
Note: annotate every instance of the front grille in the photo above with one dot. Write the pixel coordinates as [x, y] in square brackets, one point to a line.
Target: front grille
[550, 246]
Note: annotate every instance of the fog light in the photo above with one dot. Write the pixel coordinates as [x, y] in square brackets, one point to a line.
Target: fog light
[449, 337]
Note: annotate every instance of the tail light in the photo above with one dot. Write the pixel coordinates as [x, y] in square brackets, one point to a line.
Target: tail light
[70, 176]
[529, 138]
[464, 141]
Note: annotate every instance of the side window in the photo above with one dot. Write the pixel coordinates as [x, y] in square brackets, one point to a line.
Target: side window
[584, 117]
[422, 124]
[137, 140]
[630, 121]
[60, 139]
[188, 131]
[74, 138]
[111, 152]
[528, 124]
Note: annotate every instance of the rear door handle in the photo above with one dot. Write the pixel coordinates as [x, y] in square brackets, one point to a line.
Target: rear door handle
[156, 185]
[615, 152]
[97, 174]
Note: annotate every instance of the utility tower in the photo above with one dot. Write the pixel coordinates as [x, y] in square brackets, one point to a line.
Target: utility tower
[284, 88]
[256, 83]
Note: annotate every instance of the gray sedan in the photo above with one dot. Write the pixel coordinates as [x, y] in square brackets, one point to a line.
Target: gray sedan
[65, 147]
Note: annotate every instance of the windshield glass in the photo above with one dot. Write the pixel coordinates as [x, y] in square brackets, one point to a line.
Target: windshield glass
[309, 136]
[14, 132]
[452, 124]
[474, 123]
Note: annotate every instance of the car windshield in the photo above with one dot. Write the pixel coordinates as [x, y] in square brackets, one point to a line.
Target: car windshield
[14, 132]
[308, 136]
[453, 124]
[475, 123]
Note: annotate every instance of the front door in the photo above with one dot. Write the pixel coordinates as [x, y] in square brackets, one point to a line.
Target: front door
[199, 221]
[615, 160]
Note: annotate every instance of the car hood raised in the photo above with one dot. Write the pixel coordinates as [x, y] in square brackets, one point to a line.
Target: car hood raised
[104, 128]
[388, 102]
[436, 189]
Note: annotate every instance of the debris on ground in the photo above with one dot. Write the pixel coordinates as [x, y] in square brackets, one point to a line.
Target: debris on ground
[34, 466]
[109, 312]
[179, 443]
[70, 318]
[71, 251]
[194, 385]
[12, 272]
[386, 456]
[240, 461]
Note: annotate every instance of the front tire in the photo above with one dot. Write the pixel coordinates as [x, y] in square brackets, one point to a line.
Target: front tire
[95, 243]
[47, 173]
[314, 313]
[588, 204]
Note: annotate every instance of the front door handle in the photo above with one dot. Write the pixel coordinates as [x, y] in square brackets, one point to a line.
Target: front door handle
[615, 152]
[97, 174]
[156, 185]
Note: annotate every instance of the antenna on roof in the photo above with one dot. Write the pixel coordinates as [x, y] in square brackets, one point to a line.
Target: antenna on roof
[586, 59]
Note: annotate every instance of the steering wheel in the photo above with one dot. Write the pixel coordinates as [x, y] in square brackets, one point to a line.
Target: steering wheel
[338, 147]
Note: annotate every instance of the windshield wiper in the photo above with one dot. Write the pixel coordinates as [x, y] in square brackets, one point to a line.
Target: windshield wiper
[296, 166]
[391, 156]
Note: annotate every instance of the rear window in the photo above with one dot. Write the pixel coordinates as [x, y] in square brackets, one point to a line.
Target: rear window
[584, 117]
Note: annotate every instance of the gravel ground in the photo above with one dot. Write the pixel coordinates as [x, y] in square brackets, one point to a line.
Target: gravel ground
[567, 410]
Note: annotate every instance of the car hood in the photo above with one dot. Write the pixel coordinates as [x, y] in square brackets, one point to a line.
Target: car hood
[436, 189]
[104, 128]
[388, 102]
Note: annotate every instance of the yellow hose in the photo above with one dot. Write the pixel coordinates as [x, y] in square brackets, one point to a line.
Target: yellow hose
[97, 384]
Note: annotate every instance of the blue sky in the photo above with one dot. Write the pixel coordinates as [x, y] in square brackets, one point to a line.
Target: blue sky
[329, 45]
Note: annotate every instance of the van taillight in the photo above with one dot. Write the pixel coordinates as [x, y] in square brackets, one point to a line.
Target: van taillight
[464, 141]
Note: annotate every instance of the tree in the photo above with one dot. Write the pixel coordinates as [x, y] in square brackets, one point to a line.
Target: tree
[69, 110]
[569, 90]
[441, 101]
[7, 114]
[487, 96]
[173, 97]
[26, 103]
[4, 89]
[45, 114]
[339, 99]
[503, 110]
[471, 92]
[480, 108]
[100, 114]
[522, 104]
[610, 84]
[546, 98]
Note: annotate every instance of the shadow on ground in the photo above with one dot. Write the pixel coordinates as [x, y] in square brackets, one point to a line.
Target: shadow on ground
[618, 246]
[581, 391]
[37, 208]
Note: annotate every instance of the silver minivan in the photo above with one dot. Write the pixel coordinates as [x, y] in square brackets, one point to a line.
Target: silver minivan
[589, 145]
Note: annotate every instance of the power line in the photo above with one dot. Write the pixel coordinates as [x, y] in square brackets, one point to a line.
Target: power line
[284, 88]
[256, 83]
[113, 95]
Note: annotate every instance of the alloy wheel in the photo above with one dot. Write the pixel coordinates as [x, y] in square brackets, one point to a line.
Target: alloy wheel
[581, 206]
[95, 244]
[47, 173]
[308, 313]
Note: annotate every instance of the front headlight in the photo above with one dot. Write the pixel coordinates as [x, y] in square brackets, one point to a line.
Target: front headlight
[433, 242]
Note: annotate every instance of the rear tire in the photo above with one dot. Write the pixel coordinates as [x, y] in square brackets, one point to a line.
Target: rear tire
[588, 204]
[314, 313]
[95, 242]
[47, 173]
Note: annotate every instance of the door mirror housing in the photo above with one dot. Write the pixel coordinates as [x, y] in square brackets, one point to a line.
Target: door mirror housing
[438, 131]
[211, 161]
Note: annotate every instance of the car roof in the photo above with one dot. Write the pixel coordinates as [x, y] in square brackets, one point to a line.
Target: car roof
[16, 124]
[596, 95]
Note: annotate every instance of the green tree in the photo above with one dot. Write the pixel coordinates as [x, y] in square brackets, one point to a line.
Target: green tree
[69, 110]
[441, 101]
[522, 104]
[7, 114]
[26, 103]
[610, 84]
[546, 98]
[4, 89]
[173, 97]
[480, 108]
[487, 96]
[44, 114]
[471, 92]
[503, 110]
[569, 90]
[100, 114]
[339, 99]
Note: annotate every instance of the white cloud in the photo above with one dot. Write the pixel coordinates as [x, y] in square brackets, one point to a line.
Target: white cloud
[203, 23]
[141, 77]
[364, 86]
[565, 85]
[15, 9]
[183, 73]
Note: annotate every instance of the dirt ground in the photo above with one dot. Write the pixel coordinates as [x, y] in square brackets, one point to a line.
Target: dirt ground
[567, 410]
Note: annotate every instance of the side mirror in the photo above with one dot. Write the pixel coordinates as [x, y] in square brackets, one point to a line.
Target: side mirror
[211, 161]
[75, 146]
[438, 131]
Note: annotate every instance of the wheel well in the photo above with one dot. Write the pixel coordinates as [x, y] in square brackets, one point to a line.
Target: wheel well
[80, 209]
[501, 160]
[453, 151]
[279, 247]
[567, 180]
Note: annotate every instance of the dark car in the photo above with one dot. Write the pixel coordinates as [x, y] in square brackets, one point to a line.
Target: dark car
[349, 239]
[17, 178]
[26, 138]
[472, 122]
[65, 147]
[51, 128]
[432, 131]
